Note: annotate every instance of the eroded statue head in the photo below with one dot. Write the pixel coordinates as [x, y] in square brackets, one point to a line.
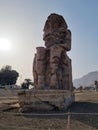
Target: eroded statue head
[54, 30]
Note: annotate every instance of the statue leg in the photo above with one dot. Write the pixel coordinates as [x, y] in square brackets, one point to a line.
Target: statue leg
[55, 55]
[67, 73]
[40, 66]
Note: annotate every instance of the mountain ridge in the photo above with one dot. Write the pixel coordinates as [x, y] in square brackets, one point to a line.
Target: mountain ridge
[86, 80]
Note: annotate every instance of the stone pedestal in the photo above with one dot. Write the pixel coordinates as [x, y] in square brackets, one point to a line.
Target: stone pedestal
[45, 100]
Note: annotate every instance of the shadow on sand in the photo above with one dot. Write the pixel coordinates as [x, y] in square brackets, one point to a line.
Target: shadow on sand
[85, 107]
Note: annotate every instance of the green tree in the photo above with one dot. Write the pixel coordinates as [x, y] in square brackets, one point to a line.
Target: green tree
[81, 88]
[27, 83]
[8, 76]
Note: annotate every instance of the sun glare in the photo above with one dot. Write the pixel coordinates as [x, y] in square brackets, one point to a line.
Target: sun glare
[5, 45]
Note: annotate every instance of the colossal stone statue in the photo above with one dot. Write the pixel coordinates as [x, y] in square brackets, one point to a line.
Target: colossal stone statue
[52, 66]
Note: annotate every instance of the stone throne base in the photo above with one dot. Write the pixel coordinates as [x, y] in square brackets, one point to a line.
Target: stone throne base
[45, 99]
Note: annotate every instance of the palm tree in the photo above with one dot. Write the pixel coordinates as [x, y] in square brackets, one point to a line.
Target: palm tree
[27, 83]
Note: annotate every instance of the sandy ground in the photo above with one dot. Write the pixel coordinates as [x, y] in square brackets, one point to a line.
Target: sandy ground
[86, 102]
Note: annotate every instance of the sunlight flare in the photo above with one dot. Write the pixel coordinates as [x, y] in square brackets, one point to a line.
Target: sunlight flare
[5, 44]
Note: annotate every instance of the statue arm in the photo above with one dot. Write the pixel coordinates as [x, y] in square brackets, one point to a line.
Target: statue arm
[68, 40]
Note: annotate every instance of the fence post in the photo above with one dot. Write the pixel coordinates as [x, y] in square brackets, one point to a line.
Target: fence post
[68, 121]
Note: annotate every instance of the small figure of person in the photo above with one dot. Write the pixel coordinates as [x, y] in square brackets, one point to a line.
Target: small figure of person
[96, 85]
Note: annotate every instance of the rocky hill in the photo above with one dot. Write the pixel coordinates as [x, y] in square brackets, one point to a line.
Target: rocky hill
[87, 79]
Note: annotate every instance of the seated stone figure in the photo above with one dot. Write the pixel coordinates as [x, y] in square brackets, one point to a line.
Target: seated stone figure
[52, 66]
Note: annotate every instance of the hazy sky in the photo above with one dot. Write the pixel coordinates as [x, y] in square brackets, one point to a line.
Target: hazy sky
[22, 22]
